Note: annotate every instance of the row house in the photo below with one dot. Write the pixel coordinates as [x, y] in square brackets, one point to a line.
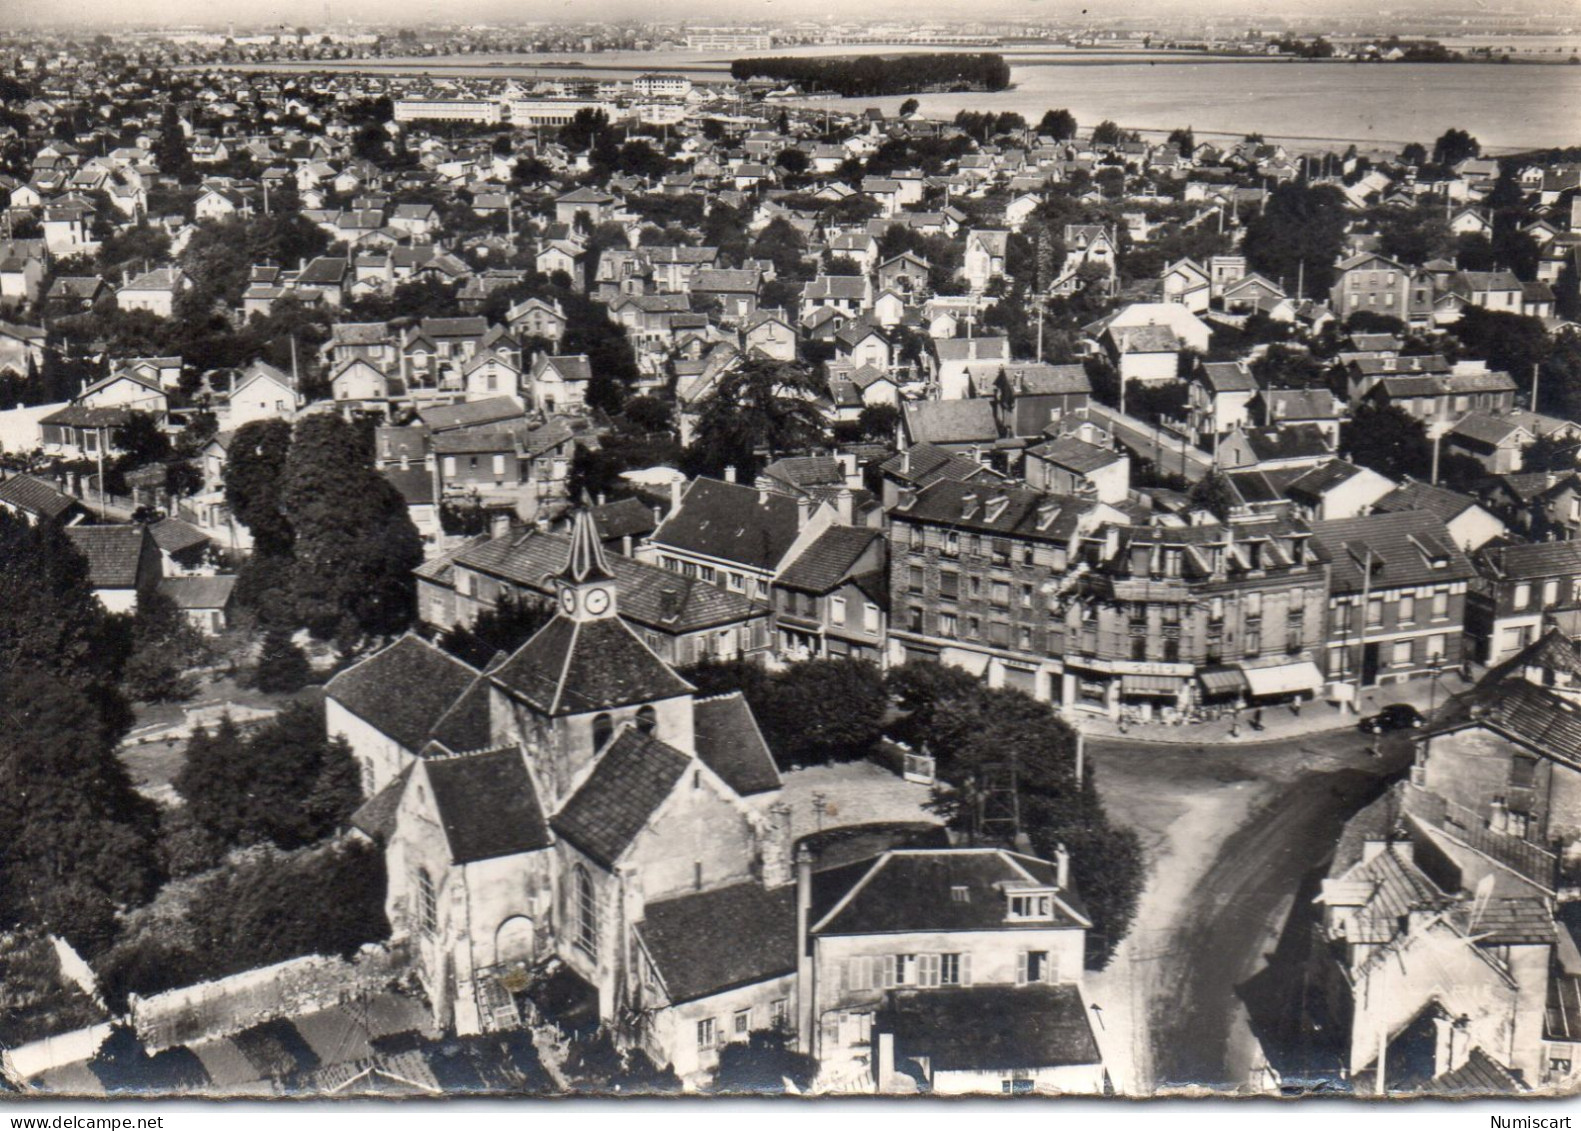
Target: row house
[1156, 619]
[1443, 398]
[830, 600]
[738, 536]
[1516, 589]
[971, 568]
[1396, 601]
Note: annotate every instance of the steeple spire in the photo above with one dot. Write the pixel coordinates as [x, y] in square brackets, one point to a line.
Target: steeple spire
[586, 584]
[585, 561]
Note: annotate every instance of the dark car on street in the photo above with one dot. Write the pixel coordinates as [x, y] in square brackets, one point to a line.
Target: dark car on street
[1396, 716]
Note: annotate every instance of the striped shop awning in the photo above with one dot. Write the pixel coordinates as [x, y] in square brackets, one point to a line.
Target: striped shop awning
[1150, 684]
[1223, 681]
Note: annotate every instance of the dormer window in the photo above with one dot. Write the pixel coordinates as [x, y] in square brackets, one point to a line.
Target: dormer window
[1030, 905]
[960, 893]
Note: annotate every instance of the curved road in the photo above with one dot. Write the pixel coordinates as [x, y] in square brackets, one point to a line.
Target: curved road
[1236, 836]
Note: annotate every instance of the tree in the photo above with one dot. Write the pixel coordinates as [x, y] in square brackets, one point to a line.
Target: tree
[812, 712]
[171, 154]
[975, 730]
[1389, 440]
[354, 546]
[1414, 154]
[762, 406]
[1058, 124]
[1513, 343]
[879, 422]
[1107, 133]
[1184, 141]
[165, 646]
[793, 161]
[1454, 147]
[284, 783]
[1299, 234]
[282, 665]
[50, 620]
[502, 629]
[909, 107]
[1215, 494]
[254, 473]
[78, 836]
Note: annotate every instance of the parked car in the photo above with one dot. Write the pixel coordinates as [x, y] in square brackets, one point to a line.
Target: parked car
[1396, 716]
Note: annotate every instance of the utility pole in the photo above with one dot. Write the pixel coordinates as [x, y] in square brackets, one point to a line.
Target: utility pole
[1361, 636]
[1536, 371]
[1437, 440]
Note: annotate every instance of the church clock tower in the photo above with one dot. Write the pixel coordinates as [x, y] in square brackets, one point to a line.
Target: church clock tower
[586, 587]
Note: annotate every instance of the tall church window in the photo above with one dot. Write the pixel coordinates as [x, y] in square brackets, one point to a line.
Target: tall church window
[586, 911]
[647, 719]
[427, 904]
[603, 727]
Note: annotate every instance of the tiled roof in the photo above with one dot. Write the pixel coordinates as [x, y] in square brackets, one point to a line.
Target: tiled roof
[1480, 1076]
[35, 496]
[113, 553]
[470, 413]
[465, 725]
[650, 595]
[914, 890]
[732, 522]
[1289, 442]
[199, 592]
[828, 560]
[1414, 495]
[951, 422]
[1044, 379]
[1022, 514]
[402, 690]
[923, 464]
[712, 941]
[376, 816]
[571, 667]
[729, 743]
[623, 517]
[635, 775]
[173, 535]
[983, 1029]
[1531, 560]
[1404, 548]
[1075, 454]
[487, 805]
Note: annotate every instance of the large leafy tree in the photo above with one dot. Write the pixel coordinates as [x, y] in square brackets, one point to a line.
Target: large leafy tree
[760, 409]
[78, 837]
[254, 475]
[1389, 440]
[49, 619]
[354, 543]
[1299, 234]
[285, 783]
[171, 154]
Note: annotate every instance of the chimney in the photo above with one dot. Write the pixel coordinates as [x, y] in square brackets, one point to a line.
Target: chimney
[1062, 867]
[806, 991]
[730, 474]
[844, 506]
[499, 524]
[804, 507]
[677, 488]
[776, 864]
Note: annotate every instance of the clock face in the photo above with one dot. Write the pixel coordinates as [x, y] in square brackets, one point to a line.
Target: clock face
[597, 601]
[568, 600]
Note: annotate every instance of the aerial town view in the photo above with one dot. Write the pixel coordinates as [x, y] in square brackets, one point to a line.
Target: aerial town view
[546, 552]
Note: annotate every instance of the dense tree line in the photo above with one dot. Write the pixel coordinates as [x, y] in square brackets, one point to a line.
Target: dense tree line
[869, 76]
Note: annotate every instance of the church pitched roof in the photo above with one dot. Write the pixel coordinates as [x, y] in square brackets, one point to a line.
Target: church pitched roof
[570, 667]
[634, 777]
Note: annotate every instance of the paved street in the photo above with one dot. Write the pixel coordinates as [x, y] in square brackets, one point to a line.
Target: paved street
[1231, 833]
